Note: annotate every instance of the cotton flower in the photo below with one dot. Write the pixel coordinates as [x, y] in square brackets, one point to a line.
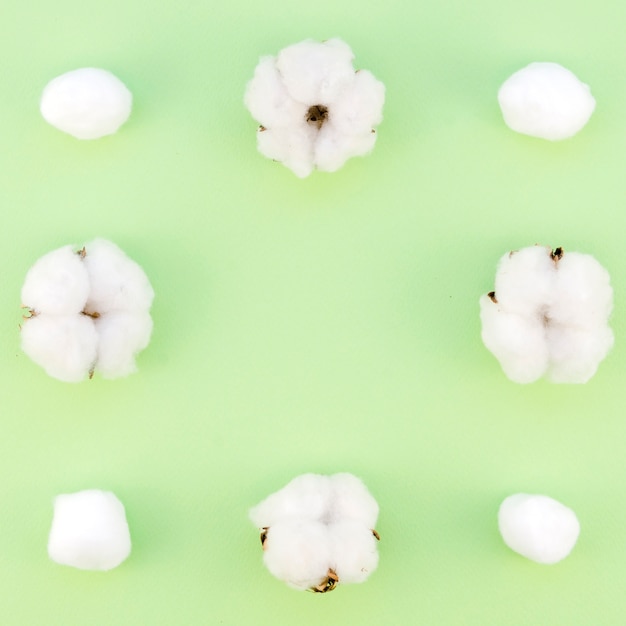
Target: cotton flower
[538, 527]
[87, 103]
[89, 311]
[89, 530]
[315, 111]
[545, 100]
[318, 531]
[548, 315]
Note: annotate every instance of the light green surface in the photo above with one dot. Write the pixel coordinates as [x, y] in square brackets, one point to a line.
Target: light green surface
[327, 324]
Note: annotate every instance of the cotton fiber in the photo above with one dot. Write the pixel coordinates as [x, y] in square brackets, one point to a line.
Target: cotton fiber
[319, 531]
[88, 311]
[538, 527]
[546, 100]
[548, 315]
[87, 103]
[315, 111]
[89, 530]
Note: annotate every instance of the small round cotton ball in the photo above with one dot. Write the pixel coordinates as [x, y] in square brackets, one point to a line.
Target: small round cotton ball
[355, 553]
[352, 501]
[87, 103]
[89, 530]
[538, 527]
[545, 100]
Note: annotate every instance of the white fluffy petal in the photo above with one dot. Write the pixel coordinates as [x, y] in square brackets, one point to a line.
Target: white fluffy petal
[293, 147]
[538, 527]
[267, 98]
[360, 108]
[121, 336]
[354, 551]
[89, 530]
[316, 73]
[298, 552]
[352, 501]
[518, 343]
[117, 283]
[87, 103]
[65, 346]
[57, 283]
[305, 497]
[333, 149]
[546, 100]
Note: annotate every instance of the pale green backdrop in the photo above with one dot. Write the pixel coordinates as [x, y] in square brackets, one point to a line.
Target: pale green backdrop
[327, 324]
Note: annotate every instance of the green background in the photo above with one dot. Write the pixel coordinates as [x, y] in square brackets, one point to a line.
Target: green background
[327, 324]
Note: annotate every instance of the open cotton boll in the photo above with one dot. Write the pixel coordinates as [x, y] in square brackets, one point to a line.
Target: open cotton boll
[548, 315]
[121, 336]
[318, 531]
[354, 551]
[89, 530]
[538, 527]
[65, 346]
[315, 111]
[87, 103]
[117, 283]
[545, 100]
[57, 283]
[298, 552]
[305, 497]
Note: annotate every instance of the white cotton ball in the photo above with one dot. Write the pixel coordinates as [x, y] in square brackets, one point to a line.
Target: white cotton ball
[516, 341]
[117, 283]
[87, 103]
[298, 552]
[315, 111]
[524, 280]
[65, 346]
[354, 551]
[351, 501]
[305, 497]
[546, 100]
[89, 530]
[538, 527]
[316, 73]
[57, 283]
[121, 336]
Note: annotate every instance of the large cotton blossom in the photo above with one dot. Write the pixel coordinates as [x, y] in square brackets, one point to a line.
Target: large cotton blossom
[88, 311]
[315, 111]
[319, 531]
[548, 315]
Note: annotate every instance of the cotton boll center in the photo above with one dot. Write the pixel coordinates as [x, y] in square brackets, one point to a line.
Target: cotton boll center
[317, 115]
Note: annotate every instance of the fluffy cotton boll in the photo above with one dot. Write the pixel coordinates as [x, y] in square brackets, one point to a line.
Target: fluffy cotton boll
[525, 280]
[352, 501]
[117, 283]
[305, 497]
[121, 336]
[538, 527]
[89, 530]
[583, 292]
[298, 552]
[517, 342]
[57, 283]
[354, 551]
[545, 100]
[87, 103]
[576, 353]
[316, 73]
[65, 346]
